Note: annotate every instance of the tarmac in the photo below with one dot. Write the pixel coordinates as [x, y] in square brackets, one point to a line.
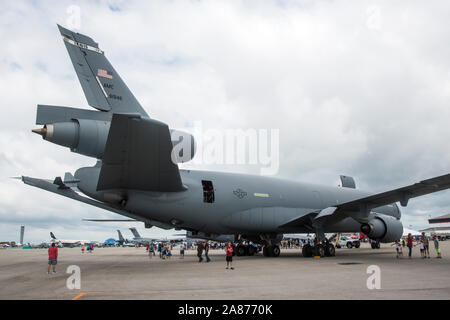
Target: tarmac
[129, 273]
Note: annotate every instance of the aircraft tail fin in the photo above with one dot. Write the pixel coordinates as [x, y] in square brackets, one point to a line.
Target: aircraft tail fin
[135, 232]
[101, 84]
[52, 235]
[120, 236]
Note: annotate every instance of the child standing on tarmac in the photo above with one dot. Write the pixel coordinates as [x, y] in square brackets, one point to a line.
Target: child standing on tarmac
[422, 249]
[436, 247]
[229, 255]
[398, 249]
[150, 250]
[182, 250]
[168, 252]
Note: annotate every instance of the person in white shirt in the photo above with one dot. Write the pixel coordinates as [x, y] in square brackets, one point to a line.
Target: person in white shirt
[182, 251]
[398, 249]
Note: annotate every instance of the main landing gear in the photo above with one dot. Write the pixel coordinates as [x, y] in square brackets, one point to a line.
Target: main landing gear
[322, 246]
[271, 251]
[375, 244]
[245, 249]
[325, 249]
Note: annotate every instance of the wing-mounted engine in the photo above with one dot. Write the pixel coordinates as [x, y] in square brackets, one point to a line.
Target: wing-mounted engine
[383, 228]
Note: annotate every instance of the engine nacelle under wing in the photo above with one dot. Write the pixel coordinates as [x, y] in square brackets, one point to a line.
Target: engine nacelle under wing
[383, 228]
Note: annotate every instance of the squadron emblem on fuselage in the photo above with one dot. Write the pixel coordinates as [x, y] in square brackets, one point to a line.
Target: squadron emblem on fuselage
[240, 193]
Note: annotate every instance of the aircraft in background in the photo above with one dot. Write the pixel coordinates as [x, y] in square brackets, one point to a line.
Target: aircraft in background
[137, 174]
[124, 242]
[144, 240]
[41, 245]
[68, 243]
[304, 237]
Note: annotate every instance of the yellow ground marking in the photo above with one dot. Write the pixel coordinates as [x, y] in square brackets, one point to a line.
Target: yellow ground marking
[78, 296]
[81, 294]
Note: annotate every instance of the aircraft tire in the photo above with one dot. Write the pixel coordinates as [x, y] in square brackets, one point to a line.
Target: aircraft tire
[318, 251]
[241, 251]
[266, 251]
[373, 245]
[377, 245]
[307, 251]
[330, 251]
[275, 251]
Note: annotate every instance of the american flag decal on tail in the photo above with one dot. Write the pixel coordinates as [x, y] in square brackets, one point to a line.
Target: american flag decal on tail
[104, 74]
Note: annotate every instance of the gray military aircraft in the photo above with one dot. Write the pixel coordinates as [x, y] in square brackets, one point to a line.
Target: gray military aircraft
[145, 240]
[137, 174]
[124, 242]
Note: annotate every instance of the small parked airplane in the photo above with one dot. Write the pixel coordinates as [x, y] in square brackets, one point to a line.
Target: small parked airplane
[68, 243]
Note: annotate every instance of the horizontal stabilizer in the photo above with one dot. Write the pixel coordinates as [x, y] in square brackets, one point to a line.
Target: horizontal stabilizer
[69, 193]
[53, 114]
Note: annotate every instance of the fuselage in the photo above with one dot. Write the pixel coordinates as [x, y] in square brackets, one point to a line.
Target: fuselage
[227, 203]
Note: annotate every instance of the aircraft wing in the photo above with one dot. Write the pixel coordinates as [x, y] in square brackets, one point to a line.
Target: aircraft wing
[65, 191]
[101, 84]
[360, 208]
[401, 195]
[111, 220]
[138, 156]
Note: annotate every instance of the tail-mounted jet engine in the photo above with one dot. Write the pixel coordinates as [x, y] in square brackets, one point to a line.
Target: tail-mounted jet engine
[383, 228]
[89, 137]
[86, 137]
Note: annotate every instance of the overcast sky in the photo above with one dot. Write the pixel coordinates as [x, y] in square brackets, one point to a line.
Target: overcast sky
[360, 88]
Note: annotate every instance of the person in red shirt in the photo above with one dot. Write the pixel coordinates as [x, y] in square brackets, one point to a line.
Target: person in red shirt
[52, 258]
[409, 244]
[229, 255]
